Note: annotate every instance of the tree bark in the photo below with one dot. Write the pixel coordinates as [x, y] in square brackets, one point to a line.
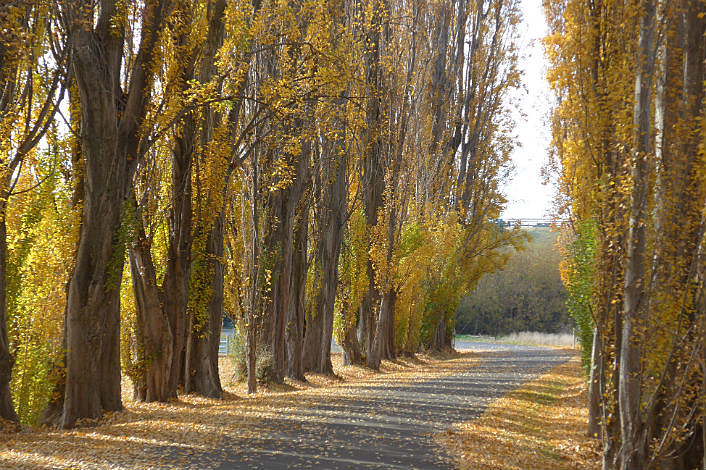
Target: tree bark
[154, 332]
[633, 453]
[333, 203]
[202, 375]
[373, 169]
[280, 242]
[7, 410]
[109, 146]
[594, 389]
[352, 352]
[296, 312]
[383, 346]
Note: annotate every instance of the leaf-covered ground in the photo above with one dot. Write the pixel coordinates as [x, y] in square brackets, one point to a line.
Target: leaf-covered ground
[542, 425]
[194, 432]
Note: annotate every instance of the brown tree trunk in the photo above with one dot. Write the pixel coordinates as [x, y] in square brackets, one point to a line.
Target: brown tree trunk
[93, 340]
[202, 376]
[352, 353]
[7, 410]
[383, 345]
[295, 312]
[333, 203]
[163, 311]
[280, 242]
[440, 338]
[253, 288]
[196, 365]
[156, 341]
[109, 146]
[313, 329]
[93, 360]
[373, 169]
[325, 301]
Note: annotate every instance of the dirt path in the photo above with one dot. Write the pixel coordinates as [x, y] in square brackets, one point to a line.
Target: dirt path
[387, 426]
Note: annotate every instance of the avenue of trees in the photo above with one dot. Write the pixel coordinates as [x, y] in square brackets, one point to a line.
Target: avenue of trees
[526, 295]
[630, 141]
[314, 169]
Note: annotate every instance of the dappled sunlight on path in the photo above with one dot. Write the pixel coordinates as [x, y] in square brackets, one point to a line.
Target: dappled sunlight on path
[370, 419]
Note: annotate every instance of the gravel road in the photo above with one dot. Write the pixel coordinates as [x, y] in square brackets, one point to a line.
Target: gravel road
[389, 426]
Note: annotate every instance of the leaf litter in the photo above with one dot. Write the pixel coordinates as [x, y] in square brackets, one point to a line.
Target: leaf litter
[196, 432]
[540, 426]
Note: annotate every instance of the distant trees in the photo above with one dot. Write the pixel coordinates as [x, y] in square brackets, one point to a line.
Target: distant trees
[526, 295]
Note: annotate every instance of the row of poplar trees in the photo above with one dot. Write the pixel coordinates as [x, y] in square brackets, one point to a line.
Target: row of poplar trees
[311, 168]
[630, 134]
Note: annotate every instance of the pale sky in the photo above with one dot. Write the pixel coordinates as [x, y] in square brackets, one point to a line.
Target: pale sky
[527, 197]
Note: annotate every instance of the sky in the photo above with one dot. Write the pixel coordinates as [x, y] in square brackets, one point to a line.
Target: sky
[527, 197]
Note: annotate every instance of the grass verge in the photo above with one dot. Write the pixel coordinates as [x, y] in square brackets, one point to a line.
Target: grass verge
[541, 425]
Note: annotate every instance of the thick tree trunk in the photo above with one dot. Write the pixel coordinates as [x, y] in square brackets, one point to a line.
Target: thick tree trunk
[296, 312]
[163, 311]
[202, 376]
[196, 361]
[7, 410]
[373, 169]
[154, 332]
[325, 301]
[313, 331]
[319, 328]
[93, 308]
[383, 345]
[109, 146]
[352, 353]
[176, 278]
[440, 339]
[281, 242]
[93, 305]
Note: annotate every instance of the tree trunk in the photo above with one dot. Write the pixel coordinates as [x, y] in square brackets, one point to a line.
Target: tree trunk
[295, 311]
[109, 146]
[326, 299]
[196, 365]
[7, 410]
[352, 352]
[202, 376]
[373, 169]
[319, 329]
[281, 243]
[594, 391]
[253, 287]
[383, 345]
[314, 327]
[633, 453]
[93, 340]
[93, 337]
[156, 341]
[440, 339]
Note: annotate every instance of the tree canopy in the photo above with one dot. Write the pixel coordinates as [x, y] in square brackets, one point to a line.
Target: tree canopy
[309, 168]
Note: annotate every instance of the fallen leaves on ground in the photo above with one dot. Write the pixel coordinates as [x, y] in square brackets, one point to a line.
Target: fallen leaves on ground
[542, 425]
[195, 432]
